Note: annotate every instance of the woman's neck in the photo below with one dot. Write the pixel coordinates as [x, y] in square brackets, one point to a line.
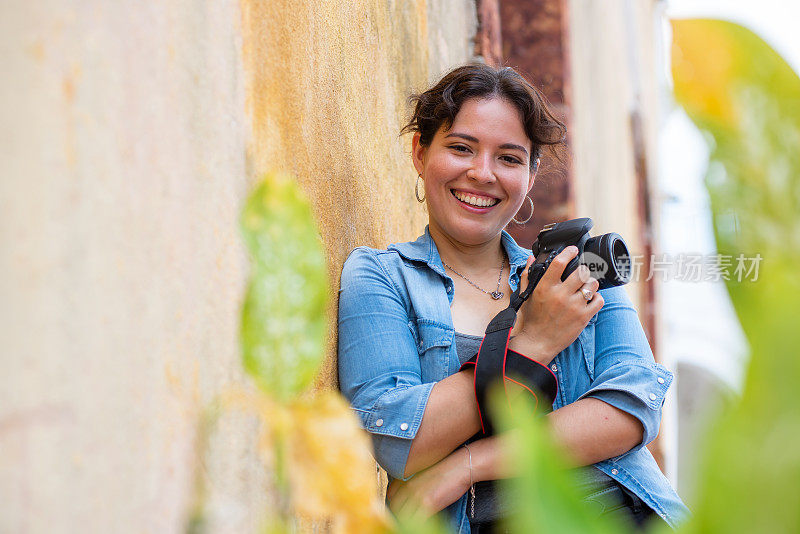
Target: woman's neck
[478, 256]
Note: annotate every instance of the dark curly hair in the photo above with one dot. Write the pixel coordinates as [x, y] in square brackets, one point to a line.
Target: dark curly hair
[438, 106]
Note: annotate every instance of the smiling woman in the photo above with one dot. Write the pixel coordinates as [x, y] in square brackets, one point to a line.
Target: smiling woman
[406, 325]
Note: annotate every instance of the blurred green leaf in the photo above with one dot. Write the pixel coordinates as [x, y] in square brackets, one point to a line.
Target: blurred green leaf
[432, 525]
[747, 100]
[284, 317]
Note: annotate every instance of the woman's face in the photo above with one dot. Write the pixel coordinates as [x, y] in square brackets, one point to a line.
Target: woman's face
[477, 172]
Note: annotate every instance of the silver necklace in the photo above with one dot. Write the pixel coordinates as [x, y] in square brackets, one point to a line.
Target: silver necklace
[496, 294]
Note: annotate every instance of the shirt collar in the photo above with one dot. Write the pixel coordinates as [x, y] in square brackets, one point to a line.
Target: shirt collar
[424, 250]
[517, 255]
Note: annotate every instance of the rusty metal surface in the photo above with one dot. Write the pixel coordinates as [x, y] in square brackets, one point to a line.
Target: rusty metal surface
[488, 41]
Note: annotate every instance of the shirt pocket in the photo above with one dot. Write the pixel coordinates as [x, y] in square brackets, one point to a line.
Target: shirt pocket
[434, 341]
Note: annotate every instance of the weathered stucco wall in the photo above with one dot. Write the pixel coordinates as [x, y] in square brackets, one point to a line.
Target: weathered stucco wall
[327, 86]
[131, 137]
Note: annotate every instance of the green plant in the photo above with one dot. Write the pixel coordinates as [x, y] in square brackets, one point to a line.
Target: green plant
[284, 316]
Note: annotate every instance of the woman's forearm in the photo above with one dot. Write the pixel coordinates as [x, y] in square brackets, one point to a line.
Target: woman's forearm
[589, 430]
[489, 460]
[573, 427]
[450, 419]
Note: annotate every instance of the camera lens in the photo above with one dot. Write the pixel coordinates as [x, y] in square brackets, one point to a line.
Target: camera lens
[607, 259]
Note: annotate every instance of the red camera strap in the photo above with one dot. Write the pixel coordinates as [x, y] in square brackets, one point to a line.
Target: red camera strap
[495, 362]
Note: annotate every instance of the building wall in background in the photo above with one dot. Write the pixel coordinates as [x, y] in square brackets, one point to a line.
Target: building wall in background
[131, 137]
[614, 70]
[615, 76]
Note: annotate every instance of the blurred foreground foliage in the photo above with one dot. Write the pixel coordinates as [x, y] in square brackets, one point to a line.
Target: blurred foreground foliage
[311, 444]
[284, 316]
[746, 99]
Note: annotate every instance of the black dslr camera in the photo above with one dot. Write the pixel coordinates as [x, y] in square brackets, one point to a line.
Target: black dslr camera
[606, 256]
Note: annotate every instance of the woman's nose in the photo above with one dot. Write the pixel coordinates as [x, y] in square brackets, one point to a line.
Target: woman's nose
[481, 171]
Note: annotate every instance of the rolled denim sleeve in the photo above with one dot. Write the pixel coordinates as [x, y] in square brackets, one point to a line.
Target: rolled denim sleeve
[379, 366]
[625, 374]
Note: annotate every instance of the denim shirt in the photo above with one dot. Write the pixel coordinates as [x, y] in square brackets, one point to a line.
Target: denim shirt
[396, 340]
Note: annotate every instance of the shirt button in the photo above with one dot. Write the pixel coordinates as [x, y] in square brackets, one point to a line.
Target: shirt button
[379, 422]
[404, 427]
[614, 472]
[554, 367]
[660, 380]
[652, 396]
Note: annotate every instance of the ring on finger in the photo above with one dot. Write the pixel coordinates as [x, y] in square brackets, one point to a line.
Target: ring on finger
[587, 294]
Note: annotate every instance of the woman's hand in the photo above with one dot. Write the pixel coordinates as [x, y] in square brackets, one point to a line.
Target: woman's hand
[432, 489]
[557, 311]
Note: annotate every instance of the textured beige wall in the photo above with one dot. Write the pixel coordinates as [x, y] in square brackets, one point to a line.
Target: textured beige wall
[329, 110]
[131, 136]
[123, 169]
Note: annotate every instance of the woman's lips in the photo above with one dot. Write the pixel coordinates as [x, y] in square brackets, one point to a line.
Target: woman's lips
[474, 200]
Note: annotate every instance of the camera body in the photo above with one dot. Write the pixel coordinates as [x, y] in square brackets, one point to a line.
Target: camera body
[606, 256]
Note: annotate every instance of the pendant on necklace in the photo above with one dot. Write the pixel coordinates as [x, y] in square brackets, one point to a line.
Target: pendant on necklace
[496, 295]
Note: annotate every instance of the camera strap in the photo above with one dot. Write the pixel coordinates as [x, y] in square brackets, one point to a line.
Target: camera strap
[495, 362]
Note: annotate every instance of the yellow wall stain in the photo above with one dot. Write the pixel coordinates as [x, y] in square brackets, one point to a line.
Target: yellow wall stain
[326, 93]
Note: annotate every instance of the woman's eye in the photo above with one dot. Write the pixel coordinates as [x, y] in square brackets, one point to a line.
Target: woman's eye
[460, 148]
[512, 159]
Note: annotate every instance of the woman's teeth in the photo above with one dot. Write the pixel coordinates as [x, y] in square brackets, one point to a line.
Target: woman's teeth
[478, 202]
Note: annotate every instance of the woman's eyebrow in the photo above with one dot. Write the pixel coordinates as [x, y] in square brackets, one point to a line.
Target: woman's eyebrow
[466, 137]
[512, 146]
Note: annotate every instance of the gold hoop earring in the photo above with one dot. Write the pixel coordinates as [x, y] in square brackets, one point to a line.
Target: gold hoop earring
[416, 189]
[529, 216]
